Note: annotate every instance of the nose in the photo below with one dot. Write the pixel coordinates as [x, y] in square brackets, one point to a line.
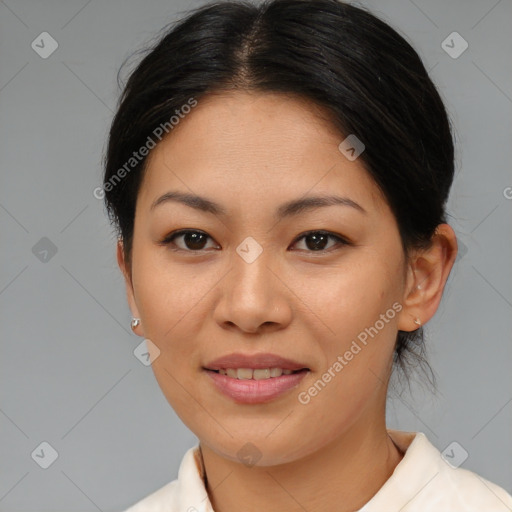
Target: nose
[253, 297]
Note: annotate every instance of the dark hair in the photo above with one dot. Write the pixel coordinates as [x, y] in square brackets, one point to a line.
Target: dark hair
[367, 77]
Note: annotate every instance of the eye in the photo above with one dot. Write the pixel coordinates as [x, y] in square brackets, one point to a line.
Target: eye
[316, 241]
[192, 239]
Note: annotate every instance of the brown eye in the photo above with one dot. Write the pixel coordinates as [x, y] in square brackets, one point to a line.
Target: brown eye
[317, 241]
[194, 241]
[191, 240]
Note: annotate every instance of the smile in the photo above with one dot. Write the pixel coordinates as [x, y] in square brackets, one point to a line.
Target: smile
[253, 386]
[255, 373]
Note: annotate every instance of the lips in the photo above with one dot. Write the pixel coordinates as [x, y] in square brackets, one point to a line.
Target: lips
[254, 361]
[255, 391]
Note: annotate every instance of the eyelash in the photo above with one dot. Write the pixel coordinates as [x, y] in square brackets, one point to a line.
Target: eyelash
[169, 240]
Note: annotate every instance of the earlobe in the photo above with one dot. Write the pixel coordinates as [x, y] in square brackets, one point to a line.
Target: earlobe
[126, 271]
[427, 274]
[134, 323]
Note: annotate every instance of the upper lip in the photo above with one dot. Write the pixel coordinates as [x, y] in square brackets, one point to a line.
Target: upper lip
[254, 361]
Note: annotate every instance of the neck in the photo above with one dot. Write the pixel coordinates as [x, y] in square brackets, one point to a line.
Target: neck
[341, 476]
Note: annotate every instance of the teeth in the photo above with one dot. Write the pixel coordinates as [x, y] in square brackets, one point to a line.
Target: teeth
[256, 374]
[261, 373]
[244, 373]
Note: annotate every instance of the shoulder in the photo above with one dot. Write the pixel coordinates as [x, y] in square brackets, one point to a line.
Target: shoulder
[460, 490]
[425, 482]
[472, 491]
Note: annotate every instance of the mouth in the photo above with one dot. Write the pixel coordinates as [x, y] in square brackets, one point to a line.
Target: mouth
[255, 373]
[255, 385]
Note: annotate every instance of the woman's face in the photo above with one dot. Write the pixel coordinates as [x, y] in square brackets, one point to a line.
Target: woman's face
[247, 281]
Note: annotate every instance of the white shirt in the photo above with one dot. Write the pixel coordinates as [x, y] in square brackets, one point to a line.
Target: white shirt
[422, 482]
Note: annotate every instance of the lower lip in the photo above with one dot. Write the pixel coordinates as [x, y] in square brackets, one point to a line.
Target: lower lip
[250, 391]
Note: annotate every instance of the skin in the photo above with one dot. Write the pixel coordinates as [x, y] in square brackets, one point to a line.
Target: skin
[250, 153]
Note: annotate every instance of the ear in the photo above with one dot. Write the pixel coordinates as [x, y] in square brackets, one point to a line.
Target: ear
[126, 270]
[427, 273]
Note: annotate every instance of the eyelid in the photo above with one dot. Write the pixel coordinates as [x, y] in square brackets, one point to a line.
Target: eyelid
[168, 239]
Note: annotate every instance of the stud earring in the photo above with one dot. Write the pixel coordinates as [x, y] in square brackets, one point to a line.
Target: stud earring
[417, 322]
[135, 323]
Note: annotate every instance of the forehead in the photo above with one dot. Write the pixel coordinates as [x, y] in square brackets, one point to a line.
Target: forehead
[257, 147]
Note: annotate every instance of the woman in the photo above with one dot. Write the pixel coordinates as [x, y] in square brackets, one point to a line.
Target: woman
[278, 175]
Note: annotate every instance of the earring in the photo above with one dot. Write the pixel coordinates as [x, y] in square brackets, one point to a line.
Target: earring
[135, 323]
[417, 322]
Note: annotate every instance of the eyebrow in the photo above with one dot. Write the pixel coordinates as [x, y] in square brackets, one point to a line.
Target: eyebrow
[288, 209]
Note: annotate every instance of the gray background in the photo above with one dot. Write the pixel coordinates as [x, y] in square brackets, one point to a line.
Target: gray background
[68, 375]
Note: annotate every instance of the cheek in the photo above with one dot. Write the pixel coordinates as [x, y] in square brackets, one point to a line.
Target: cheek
[356, 351]
[347, 299]
[169, 301]
[356, 327]
[174, 302]
[166, 291]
